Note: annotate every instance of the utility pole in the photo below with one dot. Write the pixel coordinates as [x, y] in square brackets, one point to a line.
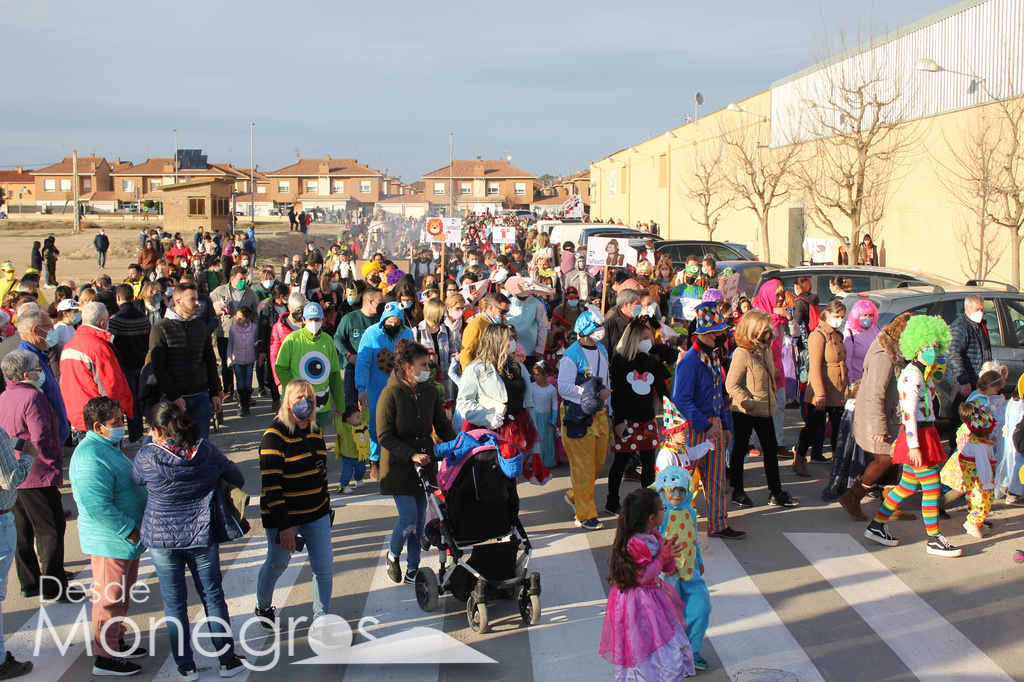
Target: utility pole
[175, 156]
[451, 184]
[74, 183]
[252, 177]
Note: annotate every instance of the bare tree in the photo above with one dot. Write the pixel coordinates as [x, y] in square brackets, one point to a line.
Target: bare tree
[706, 185]
[759, 177]
[855, 111]
[968, 176]
[1006, 185]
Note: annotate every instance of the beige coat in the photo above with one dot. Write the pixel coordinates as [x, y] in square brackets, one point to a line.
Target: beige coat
[827, 374]
[878, 409]
[751, 380]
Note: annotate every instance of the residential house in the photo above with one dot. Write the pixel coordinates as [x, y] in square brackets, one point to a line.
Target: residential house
[19, 190]
[574, 184]
[136, 183]
[333, 184]
[480, 185]
[203, 202]
[53, 184]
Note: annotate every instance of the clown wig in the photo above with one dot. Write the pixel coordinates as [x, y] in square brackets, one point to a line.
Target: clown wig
[924, 331]
[862, 308]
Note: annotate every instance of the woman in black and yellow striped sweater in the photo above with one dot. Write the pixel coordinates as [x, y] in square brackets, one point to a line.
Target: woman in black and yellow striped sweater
[295, 504]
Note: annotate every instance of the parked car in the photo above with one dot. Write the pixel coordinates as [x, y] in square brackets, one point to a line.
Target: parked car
[742, 249]
[679, 249]
[519, 213]
[1004, 318]
[862, 278]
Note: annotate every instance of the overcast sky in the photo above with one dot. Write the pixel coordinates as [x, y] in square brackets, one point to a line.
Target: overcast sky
[554, 84]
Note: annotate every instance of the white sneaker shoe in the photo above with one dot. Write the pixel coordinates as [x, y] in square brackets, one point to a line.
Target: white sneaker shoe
[360, 483]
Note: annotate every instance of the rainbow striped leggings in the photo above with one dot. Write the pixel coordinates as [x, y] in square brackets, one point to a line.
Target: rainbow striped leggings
[928, 479]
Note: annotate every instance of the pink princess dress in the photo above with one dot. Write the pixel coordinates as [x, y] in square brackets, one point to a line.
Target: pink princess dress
[644, 634]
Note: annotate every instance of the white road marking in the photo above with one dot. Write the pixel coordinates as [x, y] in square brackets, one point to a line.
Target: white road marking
[739, 609]
[564, 644]
[927, 643]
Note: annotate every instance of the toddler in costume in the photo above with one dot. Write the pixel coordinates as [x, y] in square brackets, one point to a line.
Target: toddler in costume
[644, 634]
[352, 445]
[545, 412]
[674, 451]
[918, 447]
[680, 524]
[977, 464]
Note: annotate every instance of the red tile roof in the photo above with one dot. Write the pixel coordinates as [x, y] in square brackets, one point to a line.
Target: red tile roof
[87, 165]
[15, 177]
[313, 196]
[418, 186]
[156, 166]
[335, 167]
[406, 199]
[260, 198]
[550, 201]
[492, 170]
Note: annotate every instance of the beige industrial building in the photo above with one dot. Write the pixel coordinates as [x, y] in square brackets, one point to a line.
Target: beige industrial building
[916, 138]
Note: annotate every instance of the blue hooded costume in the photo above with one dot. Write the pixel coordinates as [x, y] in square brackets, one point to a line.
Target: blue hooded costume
[376, 351]
[681, 523]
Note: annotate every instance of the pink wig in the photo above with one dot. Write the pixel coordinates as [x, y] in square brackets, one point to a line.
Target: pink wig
[862, 308]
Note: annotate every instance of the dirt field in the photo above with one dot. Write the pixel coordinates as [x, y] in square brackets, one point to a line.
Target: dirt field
[78, 258]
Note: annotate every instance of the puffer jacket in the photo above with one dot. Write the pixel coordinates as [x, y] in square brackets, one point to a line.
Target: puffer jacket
[969, 350]
[278, 333]
[827, 373]
[185, 507]
[751, 380]
[878, 405]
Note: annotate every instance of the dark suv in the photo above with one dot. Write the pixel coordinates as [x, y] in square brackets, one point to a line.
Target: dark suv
[862, 277]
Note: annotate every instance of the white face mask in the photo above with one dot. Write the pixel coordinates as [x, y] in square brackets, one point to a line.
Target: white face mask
[511, 345]
[313, 326]
[835, 322]
[423, 376]
[267, 283]
[645, 346]
[598, 335]
[977, 316]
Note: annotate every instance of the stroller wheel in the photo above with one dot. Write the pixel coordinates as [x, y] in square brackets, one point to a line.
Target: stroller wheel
[476, 616]
[529, 607]
[426, 589]
[1018, 556]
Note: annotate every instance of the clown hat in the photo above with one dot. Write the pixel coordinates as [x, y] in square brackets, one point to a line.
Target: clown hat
[709, 319]
[673, 421]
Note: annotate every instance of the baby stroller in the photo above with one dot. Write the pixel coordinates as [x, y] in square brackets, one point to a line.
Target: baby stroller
[485, 551]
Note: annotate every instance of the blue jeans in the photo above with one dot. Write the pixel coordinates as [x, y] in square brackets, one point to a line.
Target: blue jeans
[199, 408]
[317, 535]
[243, 377]
[101, 259]
[350, 465]
[412, 516]
[8, 543]
[204, 564]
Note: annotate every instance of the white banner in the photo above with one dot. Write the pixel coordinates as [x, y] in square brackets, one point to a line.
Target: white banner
[730, 286]
[503, 234]
[614, 252]
[452, 230]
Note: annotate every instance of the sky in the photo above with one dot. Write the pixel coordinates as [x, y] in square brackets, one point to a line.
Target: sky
[554, 84]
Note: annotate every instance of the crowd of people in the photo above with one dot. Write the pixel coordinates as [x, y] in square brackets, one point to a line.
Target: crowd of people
[564, 360]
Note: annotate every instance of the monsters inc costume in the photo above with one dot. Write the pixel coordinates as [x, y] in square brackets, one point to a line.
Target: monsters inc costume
[374, 363]
[315, 359]
[681, 523]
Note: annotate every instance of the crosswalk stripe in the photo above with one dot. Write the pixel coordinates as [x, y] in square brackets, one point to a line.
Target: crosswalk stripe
[927, 643]
[395, 607]
[738, 610]
[50, 664]
[239, 585]
[564, 644]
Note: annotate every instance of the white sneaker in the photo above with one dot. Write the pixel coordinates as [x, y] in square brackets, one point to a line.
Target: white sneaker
[348, 490]
[360, 483]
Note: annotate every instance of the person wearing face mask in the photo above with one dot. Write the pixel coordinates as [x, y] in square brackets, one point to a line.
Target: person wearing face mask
[627, 306]
[366, 303]
[8, 282]
[309, 354]
[689, 287]
[918, 448]
[697, 392]
[227, 299]
[331, 297]
[495, 309]
[68, 318]
[827, 382]
[287, 323]
[564, 316]
[110, 511]
[268, 278]
[408, 412]
[39, 337]
[150, 302]
[408, 300]
[183, 361]
[639, 382]
[861, 330]
[130, 328]
[969, 350]
[751, 385]
[295, 502]
[578, 278]
[39, 516]
[375, 360]
[496, 393]
[529, 316]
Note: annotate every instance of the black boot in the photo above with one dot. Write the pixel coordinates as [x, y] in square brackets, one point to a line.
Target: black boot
[244, 398]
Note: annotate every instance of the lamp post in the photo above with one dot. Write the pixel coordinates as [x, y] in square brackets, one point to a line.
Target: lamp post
[669, 136]
[931, 66]
[252, 177]
[175, 157]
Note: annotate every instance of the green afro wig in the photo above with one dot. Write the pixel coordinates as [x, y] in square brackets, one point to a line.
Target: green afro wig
[924, 331]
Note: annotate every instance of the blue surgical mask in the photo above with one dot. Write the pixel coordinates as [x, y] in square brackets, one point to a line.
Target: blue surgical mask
[116, 435]
[573, 302]
[334, 286]
[77, 319]
[38, 381]
[351, 300]
[157, 297]
[52, 338]
[405, 305]
[303, 409]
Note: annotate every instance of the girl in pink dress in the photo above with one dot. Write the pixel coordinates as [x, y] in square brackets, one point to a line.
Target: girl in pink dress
[644, 632]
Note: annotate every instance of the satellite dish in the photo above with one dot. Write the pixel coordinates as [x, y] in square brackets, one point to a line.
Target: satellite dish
[508, 158]
[699, 99]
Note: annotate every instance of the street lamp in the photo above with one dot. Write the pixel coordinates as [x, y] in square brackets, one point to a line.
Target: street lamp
[175, 157]
[931, 66]
[252, 177]
[742, 110]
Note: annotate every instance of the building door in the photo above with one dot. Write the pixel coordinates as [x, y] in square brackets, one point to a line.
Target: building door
[796, 236]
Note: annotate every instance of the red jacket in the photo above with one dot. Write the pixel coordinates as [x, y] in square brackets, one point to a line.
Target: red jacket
[89, 368]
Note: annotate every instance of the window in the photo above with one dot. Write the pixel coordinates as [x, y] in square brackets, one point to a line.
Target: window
[155, 184]
[438, 188]
[364, 186]
[1015, 315]
[283, 186]
[127, 185]
[337, 186]
[520, 189]
[465, 188]
[261, 190]
[87, 184]
[197, 206]
[950, 310]
[50, 185]
[65, 184]
[311, 186]
[492, 188]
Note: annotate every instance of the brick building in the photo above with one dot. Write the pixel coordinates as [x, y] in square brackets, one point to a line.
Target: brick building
[203, 202]
[480, 185]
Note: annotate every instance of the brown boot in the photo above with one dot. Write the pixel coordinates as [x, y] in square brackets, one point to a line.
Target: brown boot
[800, 466]
[850, 501]
[899, 514]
